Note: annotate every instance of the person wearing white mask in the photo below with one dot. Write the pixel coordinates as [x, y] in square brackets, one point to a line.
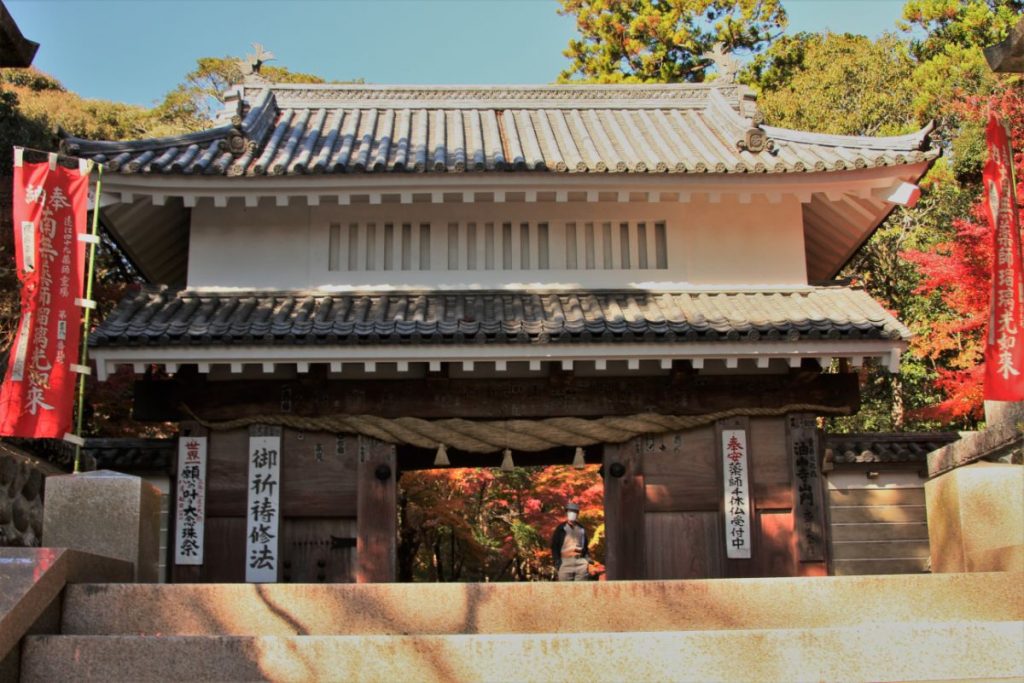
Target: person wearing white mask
[569, 547]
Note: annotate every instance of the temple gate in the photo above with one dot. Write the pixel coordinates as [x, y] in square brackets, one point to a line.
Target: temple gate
[346, 278]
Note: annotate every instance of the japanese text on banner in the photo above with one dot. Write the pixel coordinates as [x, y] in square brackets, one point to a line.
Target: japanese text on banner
[1004, 346]
[191, 510]
[49, 213]
[263, 511]
[737, 493]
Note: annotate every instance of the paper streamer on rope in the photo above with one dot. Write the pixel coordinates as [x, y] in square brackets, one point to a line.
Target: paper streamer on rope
[494, 436]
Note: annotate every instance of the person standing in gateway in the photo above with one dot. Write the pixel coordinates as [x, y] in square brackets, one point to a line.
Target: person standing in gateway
[569, 547]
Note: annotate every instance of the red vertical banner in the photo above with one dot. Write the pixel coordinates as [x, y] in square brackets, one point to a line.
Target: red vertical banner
[1004, 346]
[50, 204]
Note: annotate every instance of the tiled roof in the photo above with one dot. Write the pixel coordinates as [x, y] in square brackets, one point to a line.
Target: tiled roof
[885, 447]
[169, 318]
[15, 49]
[130, 454]
[280, 129]
[121, 454]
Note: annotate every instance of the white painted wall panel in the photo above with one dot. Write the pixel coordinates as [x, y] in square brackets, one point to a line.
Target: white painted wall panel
[725, 244]
[265, 247]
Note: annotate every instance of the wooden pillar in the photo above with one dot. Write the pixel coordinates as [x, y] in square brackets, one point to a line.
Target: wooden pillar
[803, 443]
[376, 512]
[624, 496]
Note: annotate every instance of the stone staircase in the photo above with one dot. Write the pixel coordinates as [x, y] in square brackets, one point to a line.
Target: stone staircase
[883, 628]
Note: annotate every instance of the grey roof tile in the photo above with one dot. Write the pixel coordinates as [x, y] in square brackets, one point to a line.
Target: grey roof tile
[169, 318]
[682, 128]
[881, 447]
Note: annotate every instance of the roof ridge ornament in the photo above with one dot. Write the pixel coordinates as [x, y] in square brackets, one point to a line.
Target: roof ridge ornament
[252, 63]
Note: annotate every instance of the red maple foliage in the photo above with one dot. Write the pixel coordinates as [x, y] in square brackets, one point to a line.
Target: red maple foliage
[960, 271]
[479, 524]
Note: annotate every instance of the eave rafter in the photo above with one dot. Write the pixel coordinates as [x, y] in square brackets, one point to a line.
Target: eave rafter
[314, 190]
[499, 358]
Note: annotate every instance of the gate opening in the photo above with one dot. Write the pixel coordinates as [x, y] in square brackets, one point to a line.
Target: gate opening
[483, 523]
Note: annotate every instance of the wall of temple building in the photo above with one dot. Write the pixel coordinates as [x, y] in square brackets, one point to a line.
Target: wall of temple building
[877, 519]
[316, 540]
[575, 244]
[667, 516]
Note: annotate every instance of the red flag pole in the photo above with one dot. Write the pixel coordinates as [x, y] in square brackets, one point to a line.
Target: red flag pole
[84, 355]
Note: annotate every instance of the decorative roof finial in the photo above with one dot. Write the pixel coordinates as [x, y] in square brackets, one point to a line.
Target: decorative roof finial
[726, 65]
[252, 64]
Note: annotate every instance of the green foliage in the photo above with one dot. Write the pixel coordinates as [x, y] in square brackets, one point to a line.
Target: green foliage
[947, 76]
[962, 23]
[663, 41]
[835, 83]
[31, 79]
[947, 37]
[38, 105]
[193, 103]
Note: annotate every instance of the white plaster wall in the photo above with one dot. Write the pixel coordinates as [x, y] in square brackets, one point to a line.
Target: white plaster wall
[264, 247]
[709, 244]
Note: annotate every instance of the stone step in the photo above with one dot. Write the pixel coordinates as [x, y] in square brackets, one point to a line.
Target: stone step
[588, 607]
[916, 651]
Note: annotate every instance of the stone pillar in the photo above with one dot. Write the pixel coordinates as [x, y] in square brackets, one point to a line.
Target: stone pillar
[976, 518]
[105, 513]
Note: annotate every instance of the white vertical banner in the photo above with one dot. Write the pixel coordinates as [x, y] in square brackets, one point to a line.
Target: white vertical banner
[263, 512]
[190, 513]
[737, 494]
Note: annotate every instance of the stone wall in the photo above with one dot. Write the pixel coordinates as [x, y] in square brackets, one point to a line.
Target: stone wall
[21, 496]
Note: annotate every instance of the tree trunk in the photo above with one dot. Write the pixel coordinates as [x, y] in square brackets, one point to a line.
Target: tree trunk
[898, 408]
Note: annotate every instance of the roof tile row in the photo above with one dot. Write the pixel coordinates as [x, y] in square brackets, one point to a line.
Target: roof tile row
[165, 317]
[883, 447]
[374, 130]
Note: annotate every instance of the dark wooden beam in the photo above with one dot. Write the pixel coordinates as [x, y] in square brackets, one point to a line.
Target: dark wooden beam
[15, 49]
[624, 496]
[376, 512]
[442, 397]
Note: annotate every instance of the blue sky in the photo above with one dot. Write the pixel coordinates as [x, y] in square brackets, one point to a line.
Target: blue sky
[135, 51]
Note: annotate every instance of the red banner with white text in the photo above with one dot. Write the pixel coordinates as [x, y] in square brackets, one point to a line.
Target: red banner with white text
[1004, 346]
[50, 204]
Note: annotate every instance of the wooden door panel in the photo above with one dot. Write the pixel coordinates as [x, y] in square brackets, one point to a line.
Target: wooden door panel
[318, 550]
[683, 545]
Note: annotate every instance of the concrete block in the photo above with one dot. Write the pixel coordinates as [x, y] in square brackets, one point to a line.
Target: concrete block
[876, 652]
[612, 606]
[32, 578]
[976, 518]
[1002, 438]
[105, 513]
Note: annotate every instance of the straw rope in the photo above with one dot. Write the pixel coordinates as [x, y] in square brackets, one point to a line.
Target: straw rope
[496, 435]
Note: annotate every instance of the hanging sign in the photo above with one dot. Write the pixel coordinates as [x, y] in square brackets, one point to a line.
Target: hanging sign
[191, 510]
[737, 493]
[807, 490]
[264, 516]
[49, 213]
[1004, 346]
